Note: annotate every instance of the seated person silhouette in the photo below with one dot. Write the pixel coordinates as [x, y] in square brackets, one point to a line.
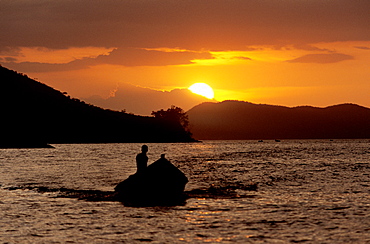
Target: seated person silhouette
[142, 159]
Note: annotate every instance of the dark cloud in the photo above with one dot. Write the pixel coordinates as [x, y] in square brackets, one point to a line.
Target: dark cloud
[120, 56]
[363, 48]
[191, 24]
[9, 51]
[322, 58]
[307, 47]
[143, 101]
[242, 58]
[10, 59]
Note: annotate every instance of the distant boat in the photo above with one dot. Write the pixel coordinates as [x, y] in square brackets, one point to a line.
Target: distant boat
[161, 184]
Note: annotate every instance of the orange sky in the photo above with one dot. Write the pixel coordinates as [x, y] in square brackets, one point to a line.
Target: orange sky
[287, 52]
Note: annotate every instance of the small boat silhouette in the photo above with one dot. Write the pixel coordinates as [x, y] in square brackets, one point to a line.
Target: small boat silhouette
[161, 184]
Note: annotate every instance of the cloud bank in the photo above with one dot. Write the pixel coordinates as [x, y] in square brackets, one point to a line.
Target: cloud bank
[119, 56]
[143, 101]
[191, 24]
[322, 58]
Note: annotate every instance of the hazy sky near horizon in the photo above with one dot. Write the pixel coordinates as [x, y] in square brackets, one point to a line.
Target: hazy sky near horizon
[286, 52]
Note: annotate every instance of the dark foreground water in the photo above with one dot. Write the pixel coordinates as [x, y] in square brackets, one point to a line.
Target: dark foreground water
[315, 191]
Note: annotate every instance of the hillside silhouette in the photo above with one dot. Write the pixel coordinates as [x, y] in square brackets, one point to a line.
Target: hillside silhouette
[33, 113]
[238, 120]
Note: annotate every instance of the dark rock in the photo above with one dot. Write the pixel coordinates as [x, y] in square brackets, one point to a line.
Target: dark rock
[161, 184]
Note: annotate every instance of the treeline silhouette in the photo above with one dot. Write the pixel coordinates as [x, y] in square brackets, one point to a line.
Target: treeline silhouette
[33, 113]
[243, 120]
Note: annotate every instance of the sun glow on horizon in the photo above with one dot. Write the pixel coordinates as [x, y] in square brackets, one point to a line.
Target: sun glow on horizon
[202, 89]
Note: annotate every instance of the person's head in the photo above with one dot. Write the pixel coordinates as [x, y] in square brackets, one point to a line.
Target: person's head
[144, 148]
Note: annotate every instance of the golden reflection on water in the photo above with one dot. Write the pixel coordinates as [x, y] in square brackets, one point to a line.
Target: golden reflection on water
[207, 240]
[211, 239]
[198, 217]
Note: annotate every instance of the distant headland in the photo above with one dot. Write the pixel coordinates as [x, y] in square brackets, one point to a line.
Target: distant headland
[236, 120]
[34, 114]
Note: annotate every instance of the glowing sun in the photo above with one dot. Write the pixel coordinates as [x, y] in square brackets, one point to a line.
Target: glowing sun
[202, 89]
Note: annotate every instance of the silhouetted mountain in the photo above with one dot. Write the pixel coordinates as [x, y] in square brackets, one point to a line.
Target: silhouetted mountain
[32, 112]
[243, 120]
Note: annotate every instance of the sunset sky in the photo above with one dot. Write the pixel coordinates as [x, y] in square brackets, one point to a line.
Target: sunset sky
[283, 52]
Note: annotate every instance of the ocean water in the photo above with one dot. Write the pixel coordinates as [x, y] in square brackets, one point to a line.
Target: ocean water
[308, 191]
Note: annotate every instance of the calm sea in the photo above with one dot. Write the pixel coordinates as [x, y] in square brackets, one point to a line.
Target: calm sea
[309, 191]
